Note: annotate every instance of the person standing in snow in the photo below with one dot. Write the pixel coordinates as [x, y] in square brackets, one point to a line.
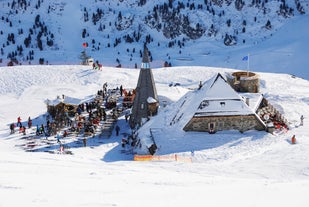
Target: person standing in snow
[58, 138]
[47, 125]
[126, 116]
[120, 89]
[37, 130]
[12, 128]
[21, 128]
[79, 110]
[19, 121]
[42, 129]
[124, 142]
[24, 130]
[301, 120]
[29, 122]
[117, 130]
[87, 107]
[85, 141]
[293, 140]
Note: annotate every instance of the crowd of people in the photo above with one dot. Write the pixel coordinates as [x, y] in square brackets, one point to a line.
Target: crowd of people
[22, 128]
[84, 119]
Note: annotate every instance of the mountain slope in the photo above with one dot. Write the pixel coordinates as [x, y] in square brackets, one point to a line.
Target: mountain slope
[204, 32]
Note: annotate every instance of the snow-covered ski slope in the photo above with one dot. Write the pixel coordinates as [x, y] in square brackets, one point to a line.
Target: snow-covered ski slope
[228, 168]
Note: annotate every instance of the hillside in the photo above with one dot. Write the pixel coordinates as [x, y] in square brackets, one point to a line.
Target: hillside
[205, 32]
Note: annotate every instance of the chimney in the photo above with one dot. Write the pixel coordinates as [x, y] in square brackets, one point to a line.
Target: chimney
[247, 101]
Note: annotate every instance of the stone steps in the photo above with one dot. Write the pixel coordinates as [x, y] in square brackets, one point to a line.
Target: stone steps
[108, 127]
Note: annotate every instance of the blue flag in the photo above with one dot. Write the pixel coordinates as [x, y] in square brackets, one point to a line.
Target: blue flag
[245, 58]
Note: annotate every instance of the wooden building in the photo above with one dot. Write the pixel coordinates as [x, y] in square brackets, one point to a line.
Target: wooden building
[63, 105]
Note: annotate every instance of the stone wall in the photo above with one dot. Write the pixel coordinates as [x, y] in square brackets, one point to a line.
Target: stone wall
[244, 82]
[240, 123]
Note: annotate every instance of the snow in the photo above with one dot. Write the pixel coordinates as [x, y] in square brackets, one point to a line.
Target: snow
[151, 100]
[225, 107]
[228, 168]
[253, 99]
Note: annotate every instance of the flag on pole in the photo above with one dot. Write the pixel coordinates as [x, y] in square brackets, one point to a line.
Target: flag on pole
[245, 58]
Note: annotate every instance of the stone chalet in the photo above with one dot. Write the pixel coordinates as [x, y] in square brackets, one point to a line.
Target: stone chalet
[219, 107]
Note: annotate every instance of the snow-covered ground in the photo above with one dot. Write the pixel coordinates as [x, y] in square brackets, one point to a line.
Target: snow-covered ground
[228, 168]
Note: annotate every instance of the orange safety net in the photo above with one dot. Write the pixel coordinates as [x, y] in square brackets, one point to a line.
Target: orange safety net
[172, 157]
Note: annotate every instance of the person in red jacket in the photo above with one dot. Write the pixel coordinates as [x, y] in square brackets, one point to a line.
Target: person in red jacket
[19, 121]
[293, 140]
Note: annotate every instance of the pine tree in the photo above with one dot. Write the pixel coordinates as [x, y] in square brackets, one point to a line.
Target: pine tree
[268, 25]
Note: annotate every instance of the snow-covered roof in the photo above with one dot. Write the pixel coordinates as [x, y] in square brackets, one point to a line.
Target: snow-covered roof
[53, 102]
[66, 100]
[151, 100]
[71, 100]
[253, 100]
[218, 98]
[223, 108]
[218, 88]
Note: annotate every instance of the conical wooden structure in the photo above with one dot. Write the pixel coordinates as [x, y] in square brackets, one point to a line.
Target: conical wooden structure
[146, 99]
